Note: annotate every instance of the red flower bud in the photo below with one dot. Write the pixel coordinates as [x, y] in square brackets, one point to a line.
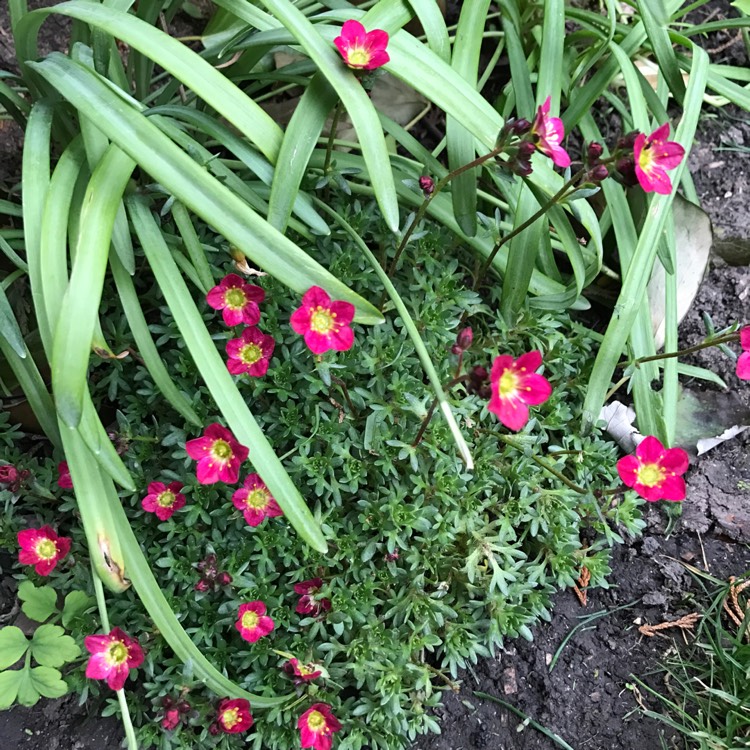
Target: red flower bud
[464, 338]
[594, 151]
[426, 185]
[214, 729]
[625, 172]
[202, 585]
[183, 707]
[171, 718]
[525, 150]
[224, 579]
[627, 141]
[598, 173]
[8, 474]
[520, 126]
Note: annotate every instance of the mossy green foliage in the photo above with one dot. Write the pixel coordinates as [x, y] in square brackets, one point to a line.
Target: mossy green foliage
[479, 553]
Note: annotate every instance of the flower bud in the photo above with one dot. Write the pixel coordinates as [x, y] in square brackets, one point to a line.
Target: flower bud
[224, 579]
[627, 141]
[214, 729]
[464, 338]
[522, 168]
[171, 718]
[426, 185]
[8, 474]
[525, 150]
[594, 152]
[598, 173]
[202, 585]
[625, 172]
[183, 707]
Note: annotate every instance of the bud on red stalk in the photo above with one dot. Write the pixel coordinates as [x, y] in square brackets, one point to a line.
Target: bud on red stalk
[426, 185]
[594, 152]
[224, 579]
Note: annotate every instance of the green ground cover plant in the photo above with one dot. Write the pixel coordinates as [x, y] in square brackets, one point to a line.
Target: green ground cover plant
[321, 417]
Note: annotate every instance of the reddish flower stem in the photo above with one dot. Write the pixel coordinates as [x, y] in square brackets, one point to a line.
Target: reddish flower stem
[724, 339]
[439, 185]
[431, 411]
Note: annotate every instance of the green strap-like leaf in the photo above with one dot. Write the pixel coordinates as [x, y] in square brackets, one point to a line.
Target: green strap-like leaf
[195, 187]
[230, 401]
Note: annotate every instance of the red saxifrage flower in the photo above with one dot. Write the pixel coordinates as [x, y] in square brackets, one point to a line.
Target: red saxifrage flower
[255, 501]
[547, 134]
[324, 323]
[218, 454]
[234, 715]
[250, 353]
[743, 363]
[317, 726]
[63, 476]
[516, 386]
[309, 603]
[253, 622]
[655, 472]
[42, 548]
[237, 300]
[653, 155]
[360, 48]
[112, 657]
[163, 499]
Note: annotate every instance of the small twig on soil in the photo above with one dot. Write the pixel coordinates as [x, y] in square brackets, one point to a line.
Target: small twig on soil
[732, 606]
[685, 623]
[583, 581]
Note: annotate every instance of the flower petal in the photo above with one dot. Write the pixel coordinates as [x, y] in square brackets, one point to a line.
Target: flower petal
[650, 450]
[743, 366]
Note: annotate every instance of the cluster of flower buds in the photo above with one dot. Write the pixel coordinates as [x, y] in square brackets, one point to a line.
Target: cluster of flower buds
[174, 710]
[463, 341]
[211, 577]
[597, 171]
[12, 477]
[624, 171]
[520, 150]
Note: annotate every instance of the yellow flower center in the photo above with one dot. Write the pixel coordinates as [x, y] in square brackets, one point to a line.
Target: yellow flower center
[46, 549]
[230, 717]
[250, 620]
[235, 298]
[317, 722]
[507, 386]
[650, 475]
[358, 57]
[250, 354]
[257, 499]
[305, 669]
[165, 499]
[221, 450]
[117, 653]
[322, 320]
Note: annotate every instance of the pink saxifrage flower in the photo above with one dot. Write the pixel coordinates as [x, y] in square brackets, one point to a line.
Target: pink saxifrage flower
[516, 386]
[360, 48]
[63, 476]
[237, 300]
[743, 363]
[218, 454]
[250, 353]
[234, 715]
[253, 622]
[653, 155]
[309, 603]
[317, 726]
[655, 472]
[324, 323]
[112, 657]
[255, 501]
[547, 133]
[163, 499]
[42, 548]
